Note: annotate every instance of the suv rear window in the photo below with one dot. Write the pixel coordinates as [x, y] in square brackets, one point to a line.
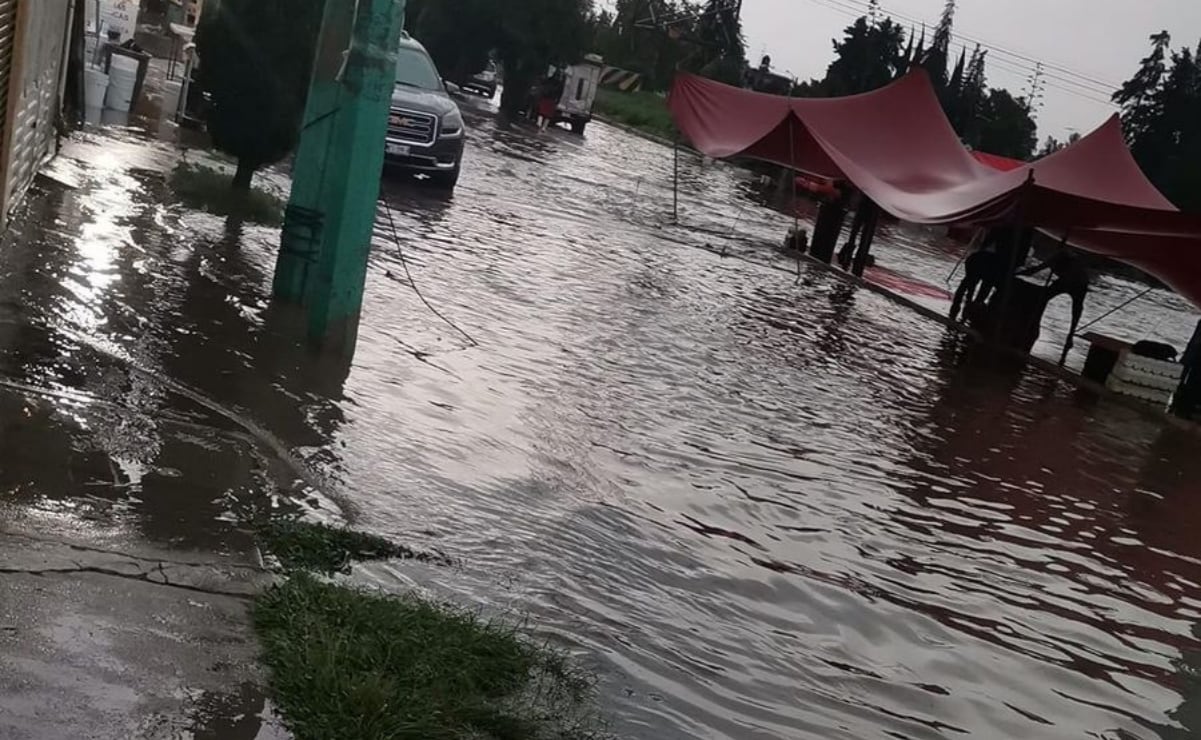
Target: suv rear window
[414, 68]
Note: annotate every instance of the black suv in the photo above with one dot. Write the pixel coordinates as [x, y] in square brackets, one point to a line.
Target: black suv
[425, 128]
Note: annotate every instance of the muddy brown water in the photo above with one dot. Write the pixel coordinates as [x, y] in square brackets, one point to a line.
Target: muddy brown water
[759, 505]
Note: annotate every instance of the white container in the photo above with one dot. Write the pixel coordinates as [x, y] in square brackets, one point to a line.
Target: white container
[171, 91]
[123, 64]
[122, 79]
[120, 95]
[1150, 380]
[95, 87]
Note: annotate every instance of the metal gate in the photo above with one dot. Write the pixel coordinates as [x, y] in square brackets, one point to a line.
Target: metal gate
[8, 35]
[33, 91]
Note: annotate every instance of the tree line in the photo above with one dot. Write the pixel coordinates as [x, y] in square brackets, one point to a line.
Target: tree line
[258, 122]
[659, 37]
[524, 36]
[1161, 115]
[652, 37]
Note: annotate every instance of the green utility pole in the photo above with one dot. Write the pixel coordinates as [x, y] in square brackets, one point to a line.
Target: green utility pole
[327, 230]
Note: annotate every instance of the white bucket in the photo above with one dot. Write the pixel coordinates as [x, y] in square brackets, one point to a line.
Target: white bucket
[95, 87]
[123, 64]
[120, 95]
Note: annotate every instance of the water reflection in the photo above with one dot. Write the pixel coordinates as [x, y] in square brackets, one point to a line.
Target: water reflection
[243, 714]
[760, 506]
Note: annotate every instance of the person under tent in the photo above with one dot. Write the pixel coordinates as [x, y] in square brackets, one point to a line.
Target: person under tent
[1069, 277]
[984, 270]
[1187, 402]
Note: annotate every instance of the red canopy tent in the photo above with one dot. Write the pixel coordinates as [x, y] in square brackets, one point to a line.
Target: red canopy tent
[997, 162]
[896, 145]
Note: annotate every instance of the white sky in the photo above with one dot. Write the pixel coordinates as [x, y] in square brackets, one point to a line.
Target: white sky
[1103, 40]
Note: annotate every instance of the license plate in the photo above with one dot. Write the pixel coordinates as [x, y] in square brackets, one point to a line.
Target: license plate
[397, 150]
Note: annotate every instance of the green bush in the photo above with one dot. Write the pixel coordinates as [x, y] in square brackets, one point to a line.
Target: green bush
[644, 111]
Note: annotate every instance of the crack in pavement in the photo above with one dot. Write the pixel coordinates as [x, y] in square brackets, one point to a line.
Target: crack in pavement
[131, 556]
[143, 577]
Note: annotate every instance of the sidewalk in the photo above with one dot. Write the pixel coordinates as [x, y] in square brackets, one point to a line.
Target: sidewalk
[131, 478]
[105, 644]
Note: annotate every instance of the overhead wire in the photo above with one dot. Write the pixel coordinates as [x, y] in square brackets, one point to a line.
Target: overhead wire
[1060, 78]
[861, 7]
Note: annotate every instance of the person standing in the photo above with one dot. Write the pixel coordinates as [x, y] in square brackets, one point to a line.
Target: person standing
[549, 94]
[984, 270]
[1070, 278]
[1187, 402]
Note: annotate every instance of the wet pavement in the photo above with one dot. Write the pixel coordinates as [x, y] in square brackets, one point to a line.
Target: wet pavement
[759, 504]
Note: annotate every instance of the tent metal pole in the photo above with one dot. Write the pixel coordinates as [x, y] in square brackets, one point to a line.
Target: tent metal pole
[796, 216]
[675, 187]
[1007, 286]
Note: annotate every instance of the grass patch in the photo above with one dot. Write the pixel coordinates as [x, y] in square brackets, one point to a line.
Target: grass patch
[209, 189]
[325, 549]
[348, 665]
[644, 111]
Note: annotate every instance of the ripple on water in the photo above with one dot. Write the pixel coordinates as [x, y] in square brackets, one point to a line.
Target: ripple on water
[761, 503]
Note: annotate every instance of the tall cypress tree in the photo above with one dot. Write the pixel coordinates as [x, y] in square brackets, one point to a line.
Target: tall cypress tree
[940, 49]
[919, 54]
[256, 63]
[907, 59]
[1161, 108]
[1139, 96]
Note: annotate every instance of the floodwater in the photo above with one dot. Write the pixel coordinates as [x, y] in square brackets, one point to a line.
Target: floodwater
[758, 502]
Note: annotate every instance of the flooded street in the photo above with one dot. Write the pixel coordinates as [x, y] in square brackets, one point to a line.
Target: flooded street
[759, 504]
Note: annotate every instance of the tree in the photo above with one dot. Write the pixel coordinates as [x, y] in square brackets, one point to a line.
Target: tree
[651, 37]
[1161, 108]
[1174, 146]
[256, 66]
[1052, 145]
[531, 35]
[966, 101]
[1006, 126]
[868, 57]
[1139, 96]
[936, 58]
[528, 36]
[723, 49]
[907, 60]
[457, 33]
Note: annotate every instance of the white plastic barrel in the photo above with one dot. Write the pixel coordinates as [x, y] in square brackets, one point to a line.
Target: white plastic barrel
[122, 63]
[123, 78]
[95, 87]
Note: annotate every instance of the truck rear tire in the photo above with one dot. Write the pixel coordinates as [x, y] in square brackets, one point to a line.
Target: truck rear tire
[577, 127]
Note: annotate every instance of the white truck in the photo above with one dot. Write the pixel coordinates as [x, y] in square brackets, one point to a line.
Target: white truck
[580, 82]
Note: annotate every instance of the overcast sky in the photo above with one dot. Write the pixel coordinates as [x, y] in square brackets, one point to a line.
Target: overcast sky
[1101, 40]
